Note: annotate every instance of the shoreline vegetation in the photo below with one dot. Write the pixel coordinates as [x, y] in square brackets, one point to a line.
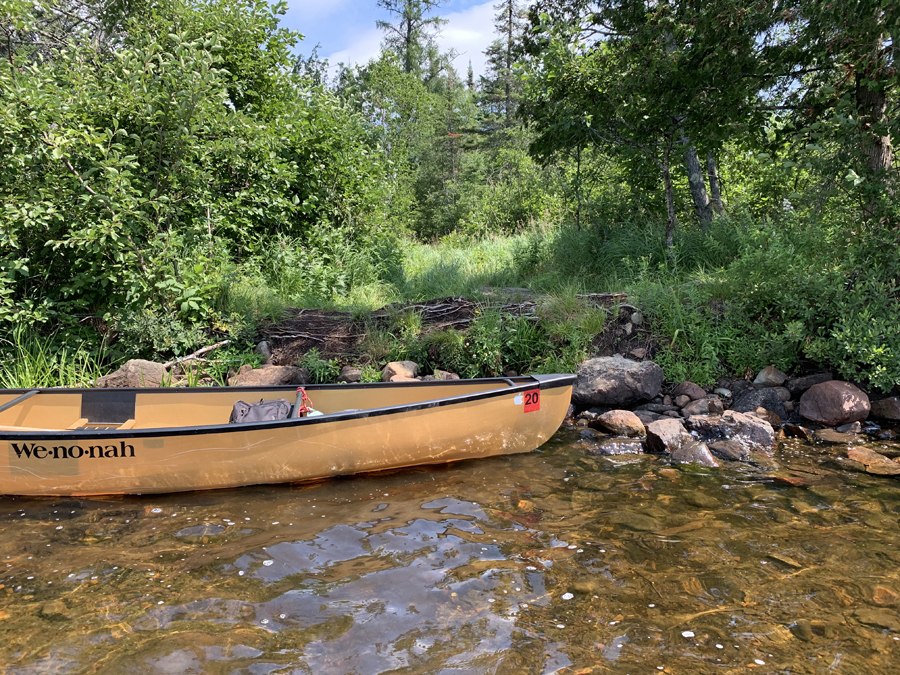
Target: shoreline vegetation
[176, 176]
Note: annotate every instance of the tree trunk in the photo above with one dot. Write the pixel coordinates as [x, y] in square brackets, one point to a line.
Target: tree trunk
[698, 187]
[670, 206]
[508, 74]
[872, 106]
[714, 190]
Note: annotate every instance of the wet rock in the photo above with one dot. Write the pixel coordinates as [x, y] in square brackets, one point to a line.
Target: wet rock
[55, 610]
[693, 452]
[798, 385]
[616, 381]
[666, 435]
[350, 374]
[852, 428]
[833, 437]
[874, 463]
[405, 369]
[802, 630]
[885, 597]
[880, 618]
[700, 499]
[834, 403]
[268, 376]
[633, 521]
[659, 408]
[445, 375]
[135, 373]
[768, 416]
[610, 447]
[759, 398]
[751, 432]
[704, 406]
[691, 390]
[887, 408]
[570, 413]
[729, 450]
[886, 435]
[647, 417]
[797, 431]
[770, 376]
[682, 400]
[594, 481]
[622, 423]
[783, 393]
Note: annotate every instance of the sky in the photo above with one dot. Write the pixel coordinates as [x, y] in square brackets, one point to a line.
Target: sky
[346, 29]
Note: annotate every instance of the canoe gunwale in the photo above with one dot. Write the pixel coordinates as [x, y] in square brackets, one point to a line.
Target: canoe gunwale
[509, 386]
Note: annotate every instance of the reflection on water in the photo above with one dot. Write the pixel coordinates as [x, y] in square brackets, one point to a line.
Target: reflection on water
[550, 562]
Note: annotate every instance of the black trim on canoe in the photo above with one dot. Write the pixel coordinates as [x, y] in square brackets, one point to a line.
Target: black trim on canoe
[520, 384]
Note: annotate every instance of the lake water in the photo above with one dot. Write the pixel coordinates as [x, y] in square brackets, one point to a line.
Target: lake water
[549, 562]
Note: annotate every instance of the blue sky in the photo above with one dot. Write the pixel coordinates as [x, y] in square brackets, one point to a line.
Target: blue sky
[347, 33]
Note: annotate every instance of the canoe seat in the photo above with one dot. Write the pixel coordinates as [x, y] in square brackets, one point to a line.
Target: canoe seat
[84, 424]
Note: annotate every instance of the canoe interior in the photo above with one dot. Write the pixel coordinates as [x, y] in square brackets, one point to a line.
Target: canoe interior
[100, 409]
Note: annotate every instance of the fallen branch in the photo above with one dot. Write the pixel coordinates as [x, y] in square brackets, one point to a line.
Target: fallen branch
[196, 355]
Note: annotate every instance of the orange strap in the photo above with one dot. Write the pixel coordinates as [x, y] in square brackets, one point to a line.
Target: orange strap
[304, 404]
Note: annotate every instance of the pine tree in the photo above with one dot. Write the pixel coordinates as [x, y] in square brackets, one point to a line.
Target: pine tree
[500, 90]
[412, 37]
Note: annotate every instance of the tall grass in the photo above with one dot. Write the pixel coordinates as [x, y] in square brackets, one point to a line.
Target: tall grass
[31, 361]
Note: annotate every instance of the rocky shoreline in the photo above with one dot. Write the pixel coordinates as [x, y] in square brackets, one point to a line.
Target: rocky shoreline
[624, 407]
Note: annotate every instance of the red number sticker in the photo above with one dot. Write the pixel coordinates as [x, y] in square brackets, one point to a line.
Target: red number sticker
[532, 400]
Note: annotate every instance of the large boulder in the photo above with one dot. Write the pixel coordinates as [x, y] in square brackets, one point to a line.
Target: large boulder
[621, 423]
[268, 376]
[135, 373]
[887, 408]
[834, 403]
[402, 370]
[760, 398]
[751, 432]
[613, 381]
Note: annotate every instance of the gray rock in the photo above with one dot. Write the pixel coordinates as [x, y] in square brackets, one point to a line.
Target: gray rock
[886, 435]
[691, 390]
[694, 452]
[705, 406]
[647, 417]
[445, 375]
[350, 374]
[798, 385]
[730, 450]
[887, 408]
[614, 381]
[633, 521]
[682, 400]
[833, 437]
[852, 428]
[672, 413]
[264, 349]
[637, 318]
[770, 376]
[405, 369]
[797, 431]
[789, 407]
[723, 392]
[666, 435]
[622, 423]
[268, 376]
[134, 373]
[783, 393]
[658, 408]
[759, 398]
[751, 432]
[834, 403]
[738, 387]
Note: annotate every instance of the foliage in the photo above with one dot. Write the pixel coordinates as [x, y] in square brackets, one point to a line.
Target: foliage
[320, 371]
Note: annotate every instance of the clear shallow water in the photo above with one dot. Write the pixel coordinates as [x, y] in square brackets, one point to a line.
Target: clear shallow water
[539, 563]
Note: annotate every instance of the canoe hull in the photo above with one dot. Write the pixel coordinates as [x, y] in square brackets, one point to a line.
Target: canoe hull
[224, 456]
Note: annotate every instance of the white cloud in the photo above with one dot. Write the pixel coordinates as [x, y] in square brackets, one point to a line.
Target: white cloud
[468, 32]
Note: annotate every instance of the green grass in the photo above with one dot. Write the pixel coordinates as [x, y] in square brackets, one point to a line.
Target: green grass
[30, 361]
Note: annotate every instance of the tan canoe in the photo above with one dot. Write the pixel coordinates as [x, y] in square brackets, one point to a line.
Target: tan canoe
[134, 441]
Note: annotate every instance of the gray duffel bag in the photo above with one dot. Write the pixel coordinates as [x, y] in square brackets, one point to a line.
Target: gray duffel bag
[264, 411]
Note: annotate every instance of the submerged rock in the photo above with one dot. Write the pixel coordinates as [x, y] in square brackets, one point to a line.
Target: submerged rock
[616, 381]
[694, 452]
[874, 463]
[834, 403]
[730, 450]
